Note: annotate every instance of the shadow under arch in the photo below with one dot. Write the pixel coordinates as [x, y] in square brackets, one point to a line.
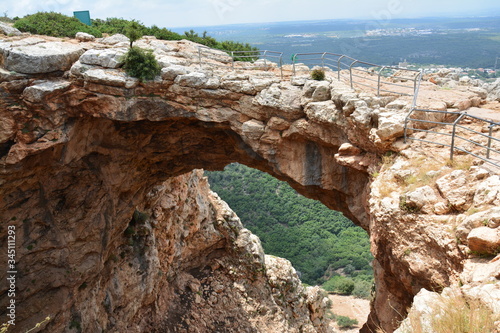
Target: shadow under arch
[103, 168]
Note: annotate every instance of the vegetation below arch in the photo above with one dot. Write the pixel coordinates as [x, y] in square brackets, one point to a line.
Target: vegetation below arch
[321, 244]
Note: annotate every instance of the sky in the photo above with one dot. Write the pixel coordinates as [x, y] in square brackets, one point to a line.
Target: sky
[192, 13]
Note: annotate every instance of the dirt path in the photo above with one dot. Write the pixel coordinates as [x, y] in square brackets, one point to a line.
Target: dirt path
[351, 307]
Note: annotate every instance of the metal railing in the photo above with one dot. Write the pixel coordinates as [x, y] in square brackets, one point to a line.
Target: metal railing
[259, 59]
[383, 79]
[352, 69]
[454, 121]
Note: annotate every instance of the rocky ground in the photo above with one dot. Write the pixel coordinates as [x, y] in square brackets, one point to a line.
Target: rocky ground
[349, 306]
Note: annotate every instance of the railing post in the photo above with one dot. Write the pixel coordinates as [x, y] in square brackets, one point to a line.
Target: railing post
[407, 118]
[415, 83]
[293, 63]
[417, 87]
[232, 60]
[338, 66]
[350, 72]
[281, 65]
[453, 135]
[323, 60]
[378, 84]
[490, 133]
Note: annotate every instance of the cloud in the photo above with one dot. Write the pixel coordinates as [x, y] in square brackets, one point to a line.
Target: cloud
[185, 13]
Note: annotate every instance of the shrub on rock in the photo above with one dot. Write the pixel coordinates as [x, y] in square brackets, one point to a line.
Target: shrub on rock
[141, 64]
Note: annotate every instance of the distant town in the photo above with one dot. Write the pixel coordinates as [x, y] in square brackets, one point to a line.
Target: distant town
[404, 32]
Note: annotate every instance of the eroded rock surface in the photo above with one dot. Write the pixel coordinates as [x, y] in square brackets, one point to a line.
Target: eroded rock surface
[115, 233]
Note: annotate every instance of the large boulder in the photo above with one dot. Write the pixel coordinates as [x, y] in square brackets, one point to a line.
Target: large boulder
[37, 92]
[109, 58]
[493, 90]
[8, 30]
[115, 40]
[484, 240]
[39, 58]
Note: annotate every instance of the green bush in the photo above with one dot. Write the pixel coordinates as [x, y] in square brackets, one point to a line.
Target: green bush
[54, 24]
[362, 289]
[346, 322]
[340, 285]
[59, 25]
[318, 74]
[141, 64]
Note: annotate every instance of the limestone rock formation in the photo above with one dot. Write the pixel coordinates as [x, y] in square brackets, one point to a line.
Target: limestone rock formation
[38, 58]
[115, 232]
[8, 30]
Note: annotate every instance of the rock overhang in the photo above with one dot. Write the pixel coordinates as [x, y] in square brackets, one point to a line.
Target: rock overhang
[323, 138]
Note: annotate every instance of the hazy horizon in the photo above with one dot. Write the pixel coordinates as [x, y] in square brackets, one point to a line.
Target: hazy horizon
[342, 19]
[205, 13]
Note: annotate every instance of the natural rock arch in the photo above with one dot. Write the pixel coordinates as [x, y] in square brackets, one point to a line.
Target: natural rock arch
[81, 153]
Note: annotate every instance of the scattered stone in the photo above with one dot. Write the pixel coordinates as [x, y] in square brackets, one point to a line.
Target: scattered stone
[455, 188]
[197, 80]
[484, 240]
[115, 39]
[488, 192]
[390, 125]
[347, 149]
[321, 93]
[423, 198]
[278, 124]
[84, 37]
[172, 71]
[108, 58]
[110, 77]
[490, 218]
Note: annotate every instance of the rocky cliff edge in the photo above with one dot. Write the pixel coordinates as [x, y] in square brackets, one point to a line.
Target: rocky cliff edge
[115, 232]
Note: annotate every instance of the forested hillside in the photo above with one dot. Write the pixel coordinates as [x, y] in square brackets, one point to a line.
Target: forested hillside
[324, 246]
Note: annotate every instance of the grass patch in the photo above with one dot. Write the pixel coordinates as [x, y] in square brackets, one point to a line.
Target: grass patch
[386, 162]
[318, 74]
[388, 188]
[455, 313]
[404, 206]
[460, 162]
[343, 322]
[426, 173]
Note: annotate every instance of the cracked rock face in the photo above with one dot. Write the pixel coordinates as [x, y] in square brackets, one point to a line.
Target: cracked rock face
[115, 231]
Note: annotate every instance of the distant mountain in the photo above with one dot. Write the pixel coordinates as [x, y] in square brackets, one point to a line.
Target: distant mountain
[466, 42]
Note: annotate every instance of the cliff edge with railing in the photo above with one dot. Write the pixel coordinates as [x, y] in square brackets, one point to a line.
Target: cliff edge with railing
[114, 232]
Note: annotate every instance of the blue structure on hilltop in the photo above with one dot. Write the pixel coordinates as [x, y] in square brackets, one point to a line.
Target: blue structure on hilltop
[83, 16]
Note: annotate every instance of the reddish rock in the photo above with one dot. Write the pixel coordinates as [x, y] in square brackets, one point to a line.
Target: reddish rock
[484, 240]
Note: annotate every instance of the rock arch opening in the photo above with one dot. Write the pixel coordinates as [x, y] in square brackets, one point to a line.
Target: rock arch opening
[84, 153]
[323, 246]
[84, 201]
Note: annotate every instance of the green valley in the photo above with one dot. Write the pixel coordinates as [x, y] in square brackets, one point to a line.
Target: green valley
[323, 245]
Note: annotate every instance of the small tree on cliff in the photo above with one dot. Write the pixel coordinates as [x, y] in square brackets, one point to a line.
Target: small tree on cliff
[138, 62]
[133, 32]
